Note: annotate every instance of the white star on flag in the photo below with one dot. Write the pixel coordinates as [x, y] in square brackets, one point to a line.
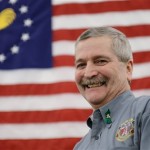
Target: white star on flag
[23, 9]
[2, 58]
[25, 37]
[12, 1]
[15, 49]
[28, 22]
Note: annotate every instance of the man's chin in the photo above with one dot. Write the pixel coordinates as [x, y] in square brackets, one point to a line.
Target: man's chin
[95, 102]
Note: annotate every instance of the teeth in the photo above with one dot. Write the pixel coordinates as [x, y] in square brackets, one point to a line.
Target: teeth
[95, 85]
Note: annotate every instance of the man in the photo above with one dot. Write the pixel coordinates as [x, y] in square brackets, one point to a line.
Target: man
[104, 65]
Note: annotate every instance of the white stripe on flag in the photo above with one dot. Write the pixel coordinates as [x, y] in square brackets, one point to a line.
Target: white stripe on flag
[55, 75]
[49, 103]
[141, 70]
[43, 130]
[138, 44]
[125, 18]
[29, 76]
[141, 92]
[58, 2]
[52, 102]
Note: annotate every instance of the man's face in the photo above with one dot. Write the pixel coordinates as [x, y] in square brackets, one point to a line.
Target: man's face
[99, 75]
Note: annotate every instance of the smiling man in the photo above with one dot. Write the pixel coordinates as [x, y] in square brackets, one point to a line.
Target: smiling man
[104, 65]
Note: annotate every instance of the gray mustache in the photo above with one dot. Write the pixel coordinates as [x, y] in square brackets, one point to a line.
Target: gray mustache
[94, 80]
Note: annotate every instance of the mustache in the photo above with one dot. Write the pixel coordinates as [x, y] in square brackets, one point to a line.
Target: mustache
[94, 80]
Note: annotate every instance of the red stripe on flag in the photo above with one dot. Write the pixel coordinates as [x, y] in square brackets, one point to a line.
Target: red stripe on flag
[141, 57]
[45, 116]
[91, 8]
[35, 144]
[131, 31]
[57, 88]
[38, 89]
[63, 60]
[143, 83]
[67, 60]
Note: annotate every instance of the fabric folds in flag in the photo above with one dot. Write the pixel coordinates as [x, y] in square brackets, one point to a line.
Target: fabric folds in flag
[40, 106]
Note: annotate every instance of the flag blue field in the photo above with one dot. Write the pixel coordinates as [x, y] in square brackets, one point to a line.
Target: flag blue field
[26, 40]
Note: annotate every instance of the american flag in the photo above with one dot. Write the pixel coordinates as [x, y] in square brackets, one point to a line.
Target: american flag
[40, 106]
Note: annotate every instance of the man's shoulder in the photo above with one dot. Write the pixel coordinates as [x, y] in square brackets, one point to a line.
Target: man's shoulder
[142, 104]
[145, 99]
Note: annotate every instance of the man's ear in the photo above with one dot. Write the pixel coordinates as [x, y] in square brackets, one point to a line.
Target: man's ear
[129, 68]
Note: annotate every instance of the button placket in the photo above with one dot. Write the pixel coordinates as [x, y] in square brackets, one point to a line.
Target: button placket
[96, 125]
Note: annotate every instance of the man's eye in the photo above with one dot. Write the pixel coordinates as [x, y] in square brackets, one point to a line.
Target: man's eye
[80, 65]
[101, 62]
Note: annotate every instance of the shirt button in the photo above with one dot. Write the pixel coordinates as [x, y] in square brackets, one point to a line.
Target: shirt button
[96, 137]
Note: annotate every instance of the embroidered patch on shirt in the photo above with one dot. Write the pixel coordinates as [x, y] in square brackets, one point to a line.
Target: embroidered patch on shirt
[125, 130]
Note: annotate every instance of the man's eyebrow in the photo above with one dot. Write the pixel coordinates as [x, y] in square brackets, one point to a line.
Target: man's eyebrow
[79, 60]
[100, 56]
[94, 57]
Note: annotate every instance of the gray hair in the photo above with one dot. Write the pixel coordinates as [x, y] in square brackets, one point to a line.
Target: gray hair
[120, 44]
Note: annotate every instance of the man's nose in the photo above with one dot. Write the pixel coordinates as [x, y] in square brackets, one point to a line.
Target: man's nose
[90, 71]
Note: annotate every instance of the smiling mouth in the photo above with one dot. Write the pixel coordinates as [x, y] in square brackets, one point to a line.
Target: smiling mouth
[94, 85]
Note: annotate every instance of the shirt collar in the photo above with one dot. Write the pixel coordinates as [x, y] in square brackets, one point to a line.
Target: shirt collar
[114, 106]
